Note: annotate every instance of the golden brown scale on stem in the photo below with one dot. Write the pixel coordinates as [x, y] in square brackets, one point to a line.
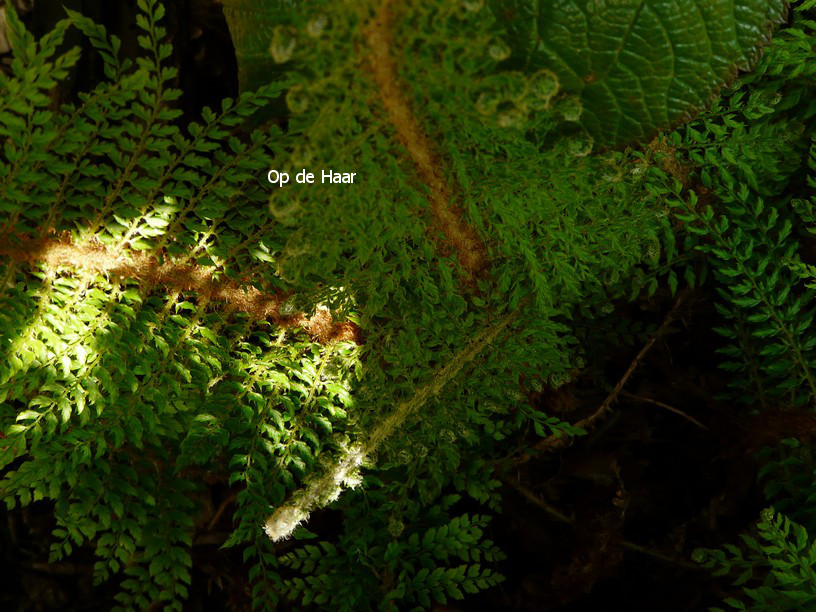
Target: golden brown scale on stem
[447, 216]
[92, 256]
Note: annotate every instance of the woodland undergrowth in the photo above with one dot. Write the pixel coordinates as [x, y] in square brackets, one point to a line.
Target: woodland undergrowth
[378, 352]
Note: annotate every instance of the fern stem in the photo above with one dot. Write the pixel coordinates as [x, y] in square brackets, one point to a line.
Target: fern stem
[328, 487]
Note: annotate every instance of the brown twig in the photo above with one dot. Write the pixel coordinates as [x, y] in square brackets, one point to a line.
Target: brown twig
[660, 556]
[221, 509]
[540, 503]
[665, 406]
[557, 441]
[60, 568]
[215, 538]
[563, 518]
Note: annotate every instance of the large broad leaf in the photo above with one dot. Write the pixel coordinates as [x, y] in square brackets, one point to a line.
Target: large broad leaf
[252, 26]
[638, 65]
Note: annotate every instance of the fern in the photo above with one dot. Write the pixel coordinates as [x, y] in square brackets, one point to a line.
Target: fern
[734, 180]
[782, 560]
[418, 568]
[170, 318]
[95, 431]
[727, 175]
[751, 265]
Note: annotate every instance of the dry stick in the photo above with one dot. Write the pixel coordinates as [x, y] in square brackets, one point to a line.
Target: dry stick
[661, 556]
[537, 501]
[447, 216]
[221, 509]
[559, 516]
[557, 441]
[659, 404]
[60, 568]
